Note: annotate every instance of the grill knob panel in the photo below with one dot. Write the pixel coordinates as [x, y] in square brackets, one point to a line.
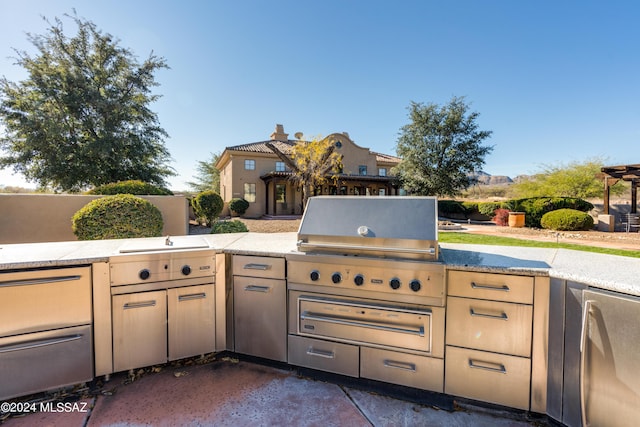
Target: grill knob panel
[415, 285]
[336, 278]
[358, 280]
[394, 283]
[315, 275]
[186, 270]
[144, 274]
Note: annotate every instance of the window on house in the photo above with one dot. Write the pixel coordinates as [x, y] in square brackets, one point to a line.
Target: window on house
[280, 167]
[249, 164]
[382, 171]
[250, 192]
[362, 170]
[281, 193]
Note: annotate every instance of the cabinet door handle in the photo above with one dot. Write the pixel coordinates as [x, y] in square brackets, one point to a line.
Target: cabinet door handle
[583, 350]
[487, 366]
[188, 297]
[501, 316]
[38, 343]
[253, 266]
[256, 288]
[139, 304]
[321, 353]
[501, 288]
[40, 281]
[399, 365]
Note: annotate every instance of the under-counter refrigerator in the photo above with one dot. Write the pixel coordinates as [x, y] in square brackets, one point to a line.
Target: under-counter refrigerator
[610, 360]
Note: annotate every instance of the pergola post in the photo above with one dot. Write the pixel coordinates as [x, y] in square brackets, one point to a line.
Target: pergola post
[634, 196]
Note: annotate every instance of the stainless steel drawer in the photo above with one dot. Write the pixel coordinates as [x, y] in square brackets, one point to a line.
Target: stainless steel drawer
[500, 327]
[410, 370]
[489, 377]
[259, 266]
[497, 287]
[42, 361]
[44, 299]
[324, 355]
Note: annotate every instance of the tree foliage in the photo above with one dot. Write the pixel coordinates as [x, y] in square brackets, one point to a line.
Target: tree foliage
[208, 177]
[577, 179]
[82, 116]
[311, 163]
[439, 148]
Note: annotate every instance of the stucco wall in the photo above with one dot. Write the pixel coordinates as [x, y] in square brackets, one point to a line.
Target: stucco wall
[30, 218]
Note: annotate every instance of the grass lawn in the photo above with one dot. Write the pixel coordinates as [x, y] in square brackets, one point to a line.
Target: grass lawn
[481, 239]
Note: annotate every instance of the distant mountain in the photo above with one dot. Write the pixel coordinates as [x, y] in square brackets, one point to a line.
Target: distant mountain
[486, 179]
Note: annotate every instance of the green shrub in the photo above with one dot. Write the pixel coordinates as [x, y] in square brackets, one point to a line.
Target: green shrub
[489, 208]
[534, 208]
[234, 226]
[238, 206]
[207, 206]
[451, 208]
[567, 220]
[130, 187]
[117, 217]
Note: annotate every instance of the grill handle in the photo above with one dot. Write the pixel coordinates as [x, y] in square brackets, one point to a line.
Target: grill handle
[301, 244]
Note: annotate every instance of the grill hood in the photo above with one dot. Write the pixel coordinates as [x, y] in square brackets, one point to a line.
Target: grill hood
[385, 226]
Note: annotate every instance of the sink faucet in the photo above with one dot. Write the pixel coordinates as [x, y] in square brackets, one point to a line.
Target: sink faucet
[168, 241]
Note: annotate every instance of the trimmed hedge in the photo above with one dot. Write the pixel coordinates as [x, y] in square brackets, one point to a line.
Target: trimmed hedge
[207, 205]
[131, 187]
[238, 206]
[535, 208]
[117, 217]
[234, 226]
[451, 208]
[567, 220]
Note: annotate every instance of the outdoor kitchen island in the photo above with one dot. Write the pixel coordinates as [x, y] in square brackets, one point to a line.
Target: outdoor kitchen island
[565, 270]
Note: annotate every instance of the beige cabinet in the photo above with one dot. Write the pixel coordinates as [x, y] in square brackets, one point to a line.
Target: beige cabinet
[490, 335]
[260, 306]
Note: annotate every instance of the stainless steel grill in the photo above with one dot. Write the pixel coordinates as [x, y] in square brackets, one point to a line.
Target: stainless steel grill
[391, 227]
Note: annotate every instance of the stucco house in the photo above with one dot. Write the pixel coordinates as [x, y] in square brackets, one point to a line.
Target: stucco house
[255, 173]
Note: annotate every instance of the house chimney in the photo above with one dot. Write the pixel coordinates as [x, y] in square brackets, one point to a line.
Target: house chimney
[279, 135]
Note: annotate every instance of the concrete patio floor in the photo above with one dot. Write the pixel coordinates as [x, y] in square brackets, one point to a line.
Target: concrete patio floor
[230, 392]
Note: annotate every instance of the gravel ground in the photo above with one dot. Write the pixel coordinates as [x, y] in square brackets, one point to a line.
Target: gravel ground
[620, 240]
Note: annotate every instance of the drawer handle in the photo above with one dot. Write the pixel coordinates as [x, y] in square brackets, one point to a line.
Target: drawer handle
[321, 353]
[38, 281]
[38, 343]
[501, 316]
[502, 288]
[139, 304]
[256, 288]
[399, 365]
[188, 297]
[262, 267]
[487, 366]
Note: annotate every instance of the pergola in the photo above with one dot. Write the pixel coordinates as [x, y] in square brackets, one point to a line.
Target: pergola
[612, 174]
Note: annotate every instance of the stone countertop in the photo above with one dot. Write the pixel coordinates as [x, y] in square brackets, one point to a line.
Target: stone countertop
[610, 272]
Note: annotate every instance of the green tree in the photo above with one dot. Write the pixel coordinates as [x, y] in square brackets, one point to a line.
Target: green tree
[311, 163]
[208, 177]
[82, 116]
[439, 148]
[576, 179]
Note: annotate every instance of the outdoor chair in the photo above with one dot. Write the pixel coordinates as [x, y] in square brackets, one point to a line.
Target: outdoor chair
[631, 221]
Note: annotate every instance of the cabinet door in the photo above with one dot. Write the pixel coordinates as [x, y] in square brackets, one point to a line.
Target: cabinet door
[139, 330]
[192, 321]
[260, 317]
[609, 368]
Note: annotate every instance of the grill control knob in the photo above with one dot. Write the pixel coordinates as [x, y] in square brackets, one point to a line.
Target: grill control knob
[415, 285]
[186, 270]
[144, 274]
[358, 279]
[336, 278]
[394, 283]
[315, 275]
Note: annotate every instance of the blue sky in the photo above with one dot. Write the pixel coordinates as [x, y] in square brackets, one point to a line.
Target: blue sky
[556, 82]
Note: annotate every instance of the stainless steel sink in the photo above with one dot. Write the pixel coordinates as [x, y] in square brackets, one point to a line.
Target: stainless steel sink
[167, 243]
